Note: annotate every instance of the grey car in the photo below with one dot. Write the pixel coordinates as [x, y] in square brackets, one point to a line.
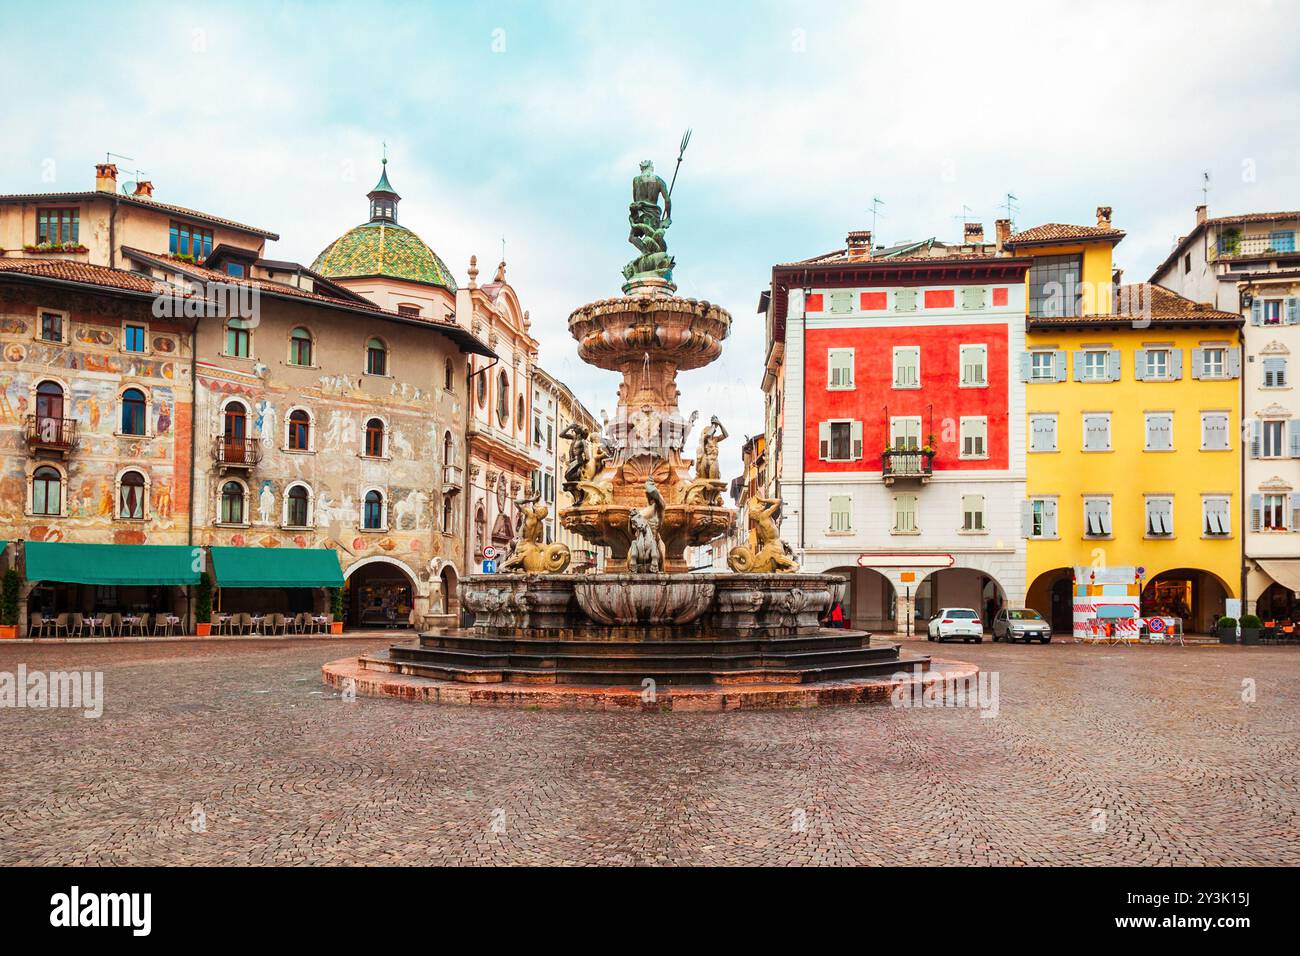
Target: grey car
[1021, 624]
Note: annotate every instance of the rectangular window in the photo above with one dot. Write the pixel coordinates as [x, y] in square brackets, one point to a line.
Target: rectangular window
[904, 514]
[1274, 513]
[1055, 289]
[905, 300]
[972, 512]
[1273, 434]
[187, 240]
[842, 301]
[1159, 431]
[133, 338]
[1094, 365]
[974, 365]
[1214, 431]
[237, 339]
[1160, 516]
[1096, 518]
[1040, 518]
[1042, 366]
[907, 366]
[1096, 431]
[840, 371]
[1157, 364]
[840, 441]
[52, 326]
[58, 226]
[841, 513]
[974, 437]
[1216, 515]
[1042, 432]
[973, 297]
[1213, 363]
[905, 432]
[1274, 372]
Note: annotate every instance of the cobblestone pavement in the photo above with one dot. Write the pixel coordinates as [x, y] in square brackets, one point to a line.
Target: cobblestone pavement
[1097, 755]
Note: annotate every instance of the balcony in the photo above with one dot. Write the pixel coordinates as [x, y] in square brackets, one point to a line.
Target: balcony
[911, 464]
[1248, 247]
[46, 433]
[453, 477]
[236, 454]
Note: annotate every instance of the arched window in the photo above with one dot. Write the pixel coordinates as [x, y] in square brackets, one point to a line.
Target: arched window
[296, 507]
[300, 347]
[232, 503]
[448, 450]
[503, 399]
[49, 412]
[238, 339]
[519, 414]
[234, 429]
[375, 438]
[376, 357]
[133, 410]
[130, 502]
[299, 430]
[480, 390]
[372, 515]
[47, 491]
[449, 375]
[448, 513]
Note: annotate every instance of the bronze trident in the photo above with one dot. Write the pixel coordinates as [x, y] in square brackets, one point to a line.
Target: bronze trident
[686, 139]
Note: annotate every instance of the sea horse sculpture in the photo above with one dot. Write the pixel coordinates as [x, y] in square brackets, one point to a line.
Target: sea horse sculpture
[647, 553]
[767, 553]
[530, 555]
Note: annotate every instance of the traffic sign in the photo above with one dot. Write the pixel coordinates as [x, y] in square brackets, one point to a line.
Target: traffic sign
[489, 552]
[489, 567]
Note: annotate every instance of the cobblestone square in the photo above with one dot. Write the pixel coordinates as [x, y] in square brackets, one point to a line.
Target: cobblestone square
[236, 753]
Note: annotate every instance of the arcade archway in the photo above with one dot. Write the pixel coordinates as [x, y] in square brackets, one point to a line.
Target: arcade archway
[1052, 595]
[1198, 597]
[869, 600]
[379, 593]
[958, 587]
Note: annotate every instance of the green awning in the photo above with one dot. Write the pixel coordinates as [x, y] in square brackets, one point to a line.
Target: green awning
[145, 565]
[277, 567]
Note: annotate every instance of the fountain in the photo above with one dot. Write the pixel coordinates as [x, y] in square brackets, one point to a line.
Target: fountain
[646, 622]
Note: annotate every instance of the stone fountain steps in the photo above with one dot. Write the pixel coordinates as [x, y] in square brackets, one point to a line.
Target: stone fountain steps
[472, 642]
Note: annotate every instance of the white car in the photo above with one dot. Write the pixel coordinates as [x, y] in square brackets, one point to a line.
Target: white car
[960, 622]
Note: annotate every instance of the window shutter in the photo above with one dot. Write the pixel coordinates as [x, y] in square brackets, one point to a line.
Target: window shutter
[1295, 511]
[1198, 362]
[1256, 437]
[857, 440]
[1026, 518]
[1257, 312]
[1059, 361]
[1103, 512]
[1293, 433]
[1025, 363]
[1049, 518]
[1293, 310]
[824, 438]
[1175, 364]
[1113, 366]
[1078, 366]
[1234, 363]
[1225, 515]
[1256, 512]
[1140, 364]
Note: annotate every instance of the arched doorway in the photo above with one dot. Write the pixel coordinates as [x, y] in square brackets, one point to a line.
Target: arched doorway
[1052, 595]
[1198, 597]
[869, 600]
[958, 587]
[447, 583]
[379, 593]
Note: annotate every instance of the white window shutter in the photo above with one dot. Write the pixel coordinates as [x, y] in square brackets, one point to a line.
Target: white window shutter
[1293, 434]
[1198, 362]
[1234, 363]
[1113, 366]
[824, 438]
[1293, 310]
[1049, 518]
[1140, 364]
[1026, 519]
[1225, 515]
[1256, 437]
[857, 440]
[1058, 361]
[1257, 312]
[1175, 364]
[1025, 363]
[1078, 366]
[1295, 511]
[1256, 512]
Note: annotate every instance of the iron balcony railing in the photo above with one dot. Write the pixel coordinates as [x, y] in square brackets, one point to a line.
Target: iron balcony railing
[46, 431]
[236, 452]
[907, 463]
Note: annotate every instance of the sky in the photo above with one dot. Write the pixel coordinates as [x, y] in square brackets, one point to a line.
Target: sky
[526, 121]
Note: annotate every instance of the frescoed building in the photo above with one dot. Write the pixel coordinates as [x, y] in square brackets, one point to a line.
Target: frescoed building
[1250, 264]
[1132, 449]
[900, 451]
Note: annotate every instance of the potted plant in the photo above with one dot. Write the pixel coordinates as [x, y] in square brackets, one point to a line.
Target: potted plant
[9, 605]
[203, 606]
[336, 609]
[1250, 628]
[1227, 630]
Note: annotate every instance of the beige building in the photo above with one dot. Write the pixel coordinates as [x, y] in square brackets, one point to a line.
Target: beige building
[585, 557]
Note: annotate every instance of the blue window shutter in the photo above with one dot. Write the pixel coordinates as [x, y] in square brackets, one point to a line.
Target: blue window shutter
[1140, 364]
[1293, 310]
[1078, 366]
[1295, 511]
[1256, 437]
[1198, 362]
[1175, 364]
[1256, 512]
[1058, 362]
[1234, 363]
[1257, 311]
[1113, 366]
[1025, 360]
[1293, 431]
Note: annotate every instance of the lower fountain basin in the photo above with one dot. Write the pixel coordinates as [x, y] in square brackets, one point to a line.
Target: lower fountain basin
[643, 602]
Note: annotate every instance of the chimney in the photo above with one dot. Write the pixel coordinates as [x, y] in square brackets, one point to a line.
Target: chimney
[1103, 217]
[1200, 214]
[106, 177]
[144, 188]
[859, 244]
[1002, 232]
[974, 233]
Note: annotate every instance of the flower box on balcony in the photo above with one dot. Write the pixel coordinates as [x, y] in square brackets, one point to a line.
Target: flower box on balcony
[911, 463]
[43, 248]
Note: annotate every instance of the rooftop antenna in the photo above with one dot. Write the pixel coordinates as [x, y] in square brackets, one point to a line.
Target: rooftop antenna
[876, 203]
[965, 214]
[1009, 204]
[1205, 187]
[108, 157]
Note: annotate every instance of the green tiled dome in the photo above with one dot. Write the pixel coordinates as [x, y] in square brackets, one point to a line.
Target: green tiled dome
[386, 249]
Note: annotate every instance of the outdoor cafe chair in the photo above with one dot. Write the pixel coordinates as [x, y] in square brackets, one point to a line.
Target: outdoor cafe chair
[245, 622]
[76, 625]
[272, 623]
[61, 624]
[38, 625]
[113, 623]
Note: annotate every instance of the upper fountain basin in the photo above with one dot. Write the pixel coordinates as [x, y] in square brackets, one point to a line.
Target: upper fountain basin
[685, 332]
